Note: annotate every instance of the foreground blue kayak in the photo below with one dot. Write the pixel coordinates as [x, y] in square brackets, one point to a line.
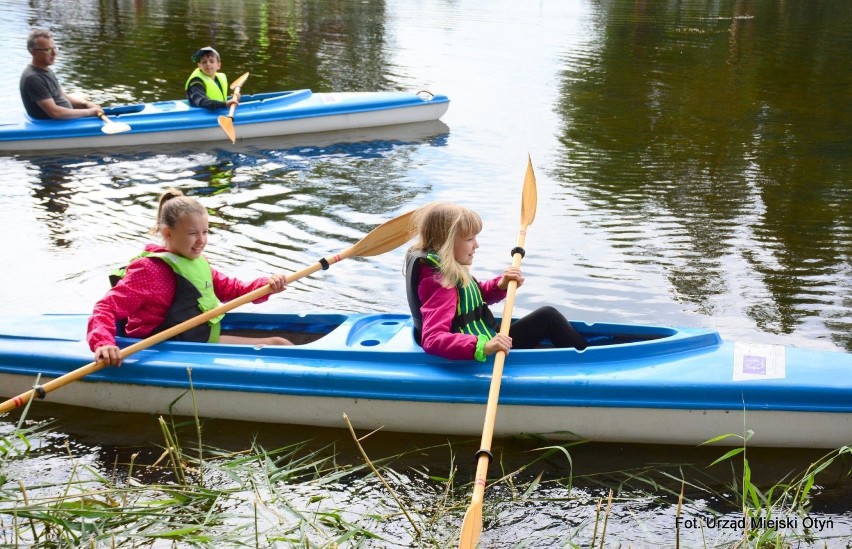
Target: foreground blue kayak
[644, 384]
[259, 115]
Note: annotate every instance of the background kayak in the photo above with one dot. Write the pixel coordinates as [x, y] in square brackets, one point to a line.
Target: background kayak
[262, 115]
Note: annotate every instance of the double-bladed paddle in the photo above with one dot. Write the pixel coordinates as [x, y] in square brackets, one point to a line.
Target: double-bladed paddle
[472, 525]
[384, 238]
[111, 127]
[227, 122]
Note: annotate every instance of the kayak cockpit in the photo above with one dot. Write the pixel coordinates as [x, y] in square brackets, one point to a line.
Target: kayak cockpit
[300, 329]
[375, 330]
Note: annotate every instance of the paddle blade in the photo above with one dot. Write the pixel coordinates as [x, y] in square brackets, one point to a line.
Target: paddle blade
[115, 127]
[227, 124]
[239, 81]
[111, 127]
[384, 238]
[471, 527]
[529, 200]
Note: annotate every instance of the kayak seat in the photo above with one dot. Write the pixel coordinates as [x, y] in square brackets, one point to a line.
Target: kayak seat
[124, 109]
[413, 261]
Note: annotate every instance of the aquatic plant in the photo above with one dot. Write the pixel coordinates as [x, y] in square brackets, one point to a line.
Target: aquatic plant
[303, 495]
[779, 515]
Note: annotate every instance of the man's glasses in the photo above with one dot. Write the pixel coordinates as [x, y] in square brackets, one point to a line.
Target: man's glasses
[51, 50]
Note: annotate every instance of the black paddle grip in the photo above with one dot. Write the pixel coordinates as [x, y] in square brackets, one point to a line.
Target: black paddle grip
[483, 452]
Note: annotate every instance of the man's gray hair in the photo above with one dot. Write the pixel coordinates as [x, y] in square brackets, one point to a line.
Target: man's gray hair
[35, 35]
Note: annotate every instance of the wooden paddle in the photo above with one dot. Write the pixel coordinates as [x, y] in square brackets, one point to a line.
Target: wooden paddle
[111, 127]
[227, 122]
[387, 236]
[472, 525]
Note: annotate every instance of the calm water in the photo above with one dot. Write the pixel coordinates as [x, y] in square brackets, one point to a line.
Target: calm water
[693, 162]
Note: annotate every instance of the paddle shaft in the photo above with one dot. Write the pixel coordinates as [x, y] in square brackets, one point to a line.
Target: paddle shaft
[472, 525]
[496, 377]
[233, 105]
[383, 238]
[236, 85]
[227, 122]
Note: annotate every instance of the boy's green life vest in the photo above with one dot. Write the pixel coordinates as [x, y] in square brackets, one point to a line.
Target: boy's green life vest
[215, 89]
[472, 314]
[193, 295]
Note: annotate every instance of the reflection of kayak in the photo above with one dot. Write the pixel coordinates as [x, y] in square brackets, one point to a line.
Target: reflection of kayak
[260, 115]
[633, 384]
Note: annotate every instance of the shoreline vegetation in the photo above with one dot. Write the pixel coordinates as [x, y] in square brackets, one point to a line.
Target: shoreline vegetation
[185, 493]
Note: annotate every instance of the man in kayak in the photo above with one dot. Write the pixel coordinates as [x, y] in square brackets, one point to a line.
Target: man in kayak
[207, 87]
[40, 90]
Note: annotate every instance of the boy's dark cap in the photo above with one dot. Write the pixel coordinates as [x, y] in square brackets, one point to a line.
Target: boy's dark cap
[196, 57]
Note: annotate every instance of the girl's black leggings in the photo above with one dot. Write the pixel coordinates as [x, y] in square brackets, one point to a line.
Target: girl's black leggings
[545, 323]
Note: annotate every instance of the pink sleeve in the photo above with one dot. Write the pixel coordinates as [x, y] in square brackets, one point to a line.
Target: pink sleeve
[228, 288]
[142, 298]
[491, 293]
[438, 308]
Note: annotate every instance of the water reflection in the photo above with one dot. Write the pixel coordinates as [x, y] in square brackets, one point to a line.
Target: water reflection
[51, 199]
[276, 205]
[690, 120]
[283, 45]
[700, 164]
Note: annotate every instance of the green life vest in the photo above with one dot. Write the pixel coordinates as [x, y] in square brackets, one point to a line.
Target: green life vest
[472, 313]
[215, 89]
[194, 295]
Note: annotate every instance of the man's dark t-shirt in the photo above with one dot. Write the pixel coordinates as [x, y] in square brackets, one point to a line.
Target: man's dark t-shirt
[38, 84]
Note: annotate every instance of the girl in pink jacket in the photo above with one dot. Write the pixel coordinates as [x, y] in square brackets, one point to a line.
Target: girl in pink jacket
[166, 285]
[450, 307]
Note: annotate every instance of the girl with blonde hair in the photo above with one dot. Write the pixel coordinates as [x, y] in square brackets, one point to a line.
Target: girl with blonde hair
[450, 307]
[168, 284]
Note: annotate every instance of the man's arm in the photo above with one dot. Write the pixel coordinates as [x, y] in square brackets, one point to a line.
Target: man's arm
[80, 110]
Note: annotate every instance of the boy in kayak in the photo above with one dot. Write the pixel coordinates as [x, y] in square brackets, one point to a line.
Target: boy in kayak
[41, 93]
[206, 87]
[166, 285]
[450, 307]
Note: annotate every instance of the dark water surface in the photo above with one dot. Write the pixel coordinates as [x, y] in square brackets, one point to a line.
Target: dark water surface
[693, 159]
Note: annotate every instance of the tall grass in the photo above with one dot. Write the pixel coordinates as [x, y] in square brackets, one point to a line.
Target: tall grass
[218, 498]
[767, 512]
[300, 496]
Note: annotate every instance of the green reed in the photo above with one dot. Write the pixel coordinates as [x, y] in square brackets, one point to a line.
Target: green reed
[243, 499]
[787, 498]
[302, 496]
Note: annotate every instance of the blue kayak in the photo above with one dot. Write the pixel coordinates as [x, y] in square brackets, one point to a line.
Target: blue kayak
[642, 384]
[259, 115]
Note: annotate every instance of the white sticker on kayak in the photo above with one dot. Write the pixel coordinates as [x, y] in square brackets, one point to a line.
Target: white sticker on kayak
[758, 361]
